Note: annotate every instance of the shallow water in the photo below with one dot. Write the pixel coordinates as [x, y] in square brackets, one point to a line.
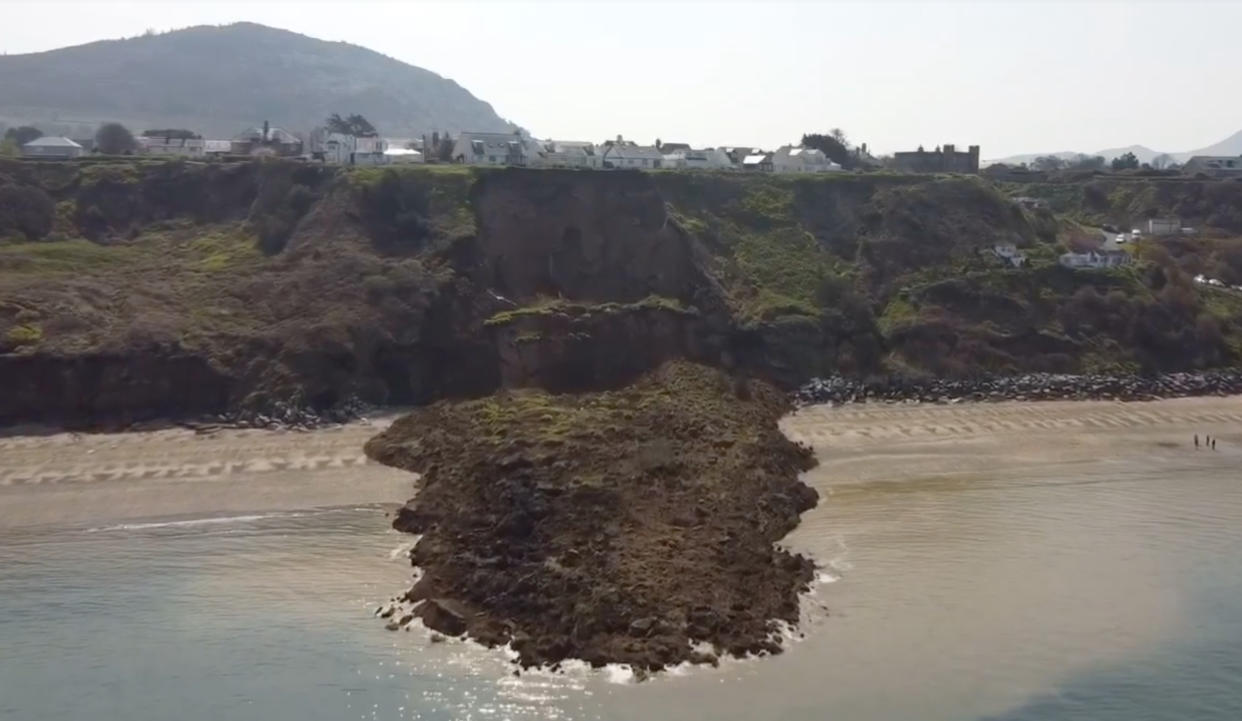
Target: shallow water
[979, 563]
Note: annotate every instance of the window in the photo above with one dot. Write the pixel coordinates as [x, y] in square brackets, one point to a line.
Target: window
[491, 158]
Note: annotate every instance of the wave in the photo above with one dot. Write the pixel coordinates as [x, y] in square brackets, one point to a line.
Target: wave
[195, 522]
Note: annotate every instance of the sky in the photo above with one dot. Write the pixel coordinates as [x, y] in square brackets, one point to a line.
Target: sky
[1012, 77]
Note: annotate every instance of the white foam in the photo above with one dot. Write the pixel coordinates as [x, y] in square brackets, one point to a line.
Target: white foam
[193, 522]
[617, 673]
[402, 551]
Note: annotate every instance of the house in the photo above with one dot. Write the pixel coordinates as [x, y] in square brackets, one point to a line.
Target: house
[495, 149]
[669, 148]
[1215, 166]
[1164, 226]
[1096, 259]
[402, 156]
[53, 148]
[571, 154]
[1009, 254]
[214, 148]
[622, 154]
[757, 162]
[791, 159]
[266, 140]
[946, 160]
[182, 147]
[709, 159]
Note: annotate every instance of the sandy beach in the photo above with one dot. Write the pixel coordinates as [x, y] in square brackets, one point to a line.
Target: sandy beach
[87, 479]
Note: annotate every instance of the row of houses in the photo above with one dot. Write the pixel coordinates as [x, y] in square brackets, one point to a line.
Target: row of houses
[517, 150]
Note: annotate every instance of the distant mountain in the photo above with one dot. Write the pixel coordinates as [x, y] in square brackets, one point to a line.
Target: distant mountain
[1231, 145]
[221, 80]
[1142, 152]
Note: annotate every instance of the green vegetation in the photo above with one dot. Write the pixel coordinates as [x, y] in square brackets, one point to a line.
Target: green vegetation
[545, 306]
[24, 335]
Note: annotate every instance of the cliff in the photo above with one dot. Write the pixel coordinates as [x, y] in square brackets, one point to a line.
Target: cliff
[143, 289]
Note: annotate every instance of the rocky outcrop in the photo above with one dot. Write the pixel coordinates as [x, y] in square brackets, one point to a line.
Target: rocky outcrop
[632, 526]
[1030, 386]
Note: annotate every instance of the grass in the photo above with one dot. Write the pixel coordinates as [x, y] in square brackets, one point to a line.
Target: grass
[65, 256]
[221, 249]
[545, 306]
[24, 334]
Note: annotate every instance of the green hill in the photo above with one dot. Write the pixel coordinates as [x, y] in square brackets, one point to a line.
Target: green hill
[220, 80]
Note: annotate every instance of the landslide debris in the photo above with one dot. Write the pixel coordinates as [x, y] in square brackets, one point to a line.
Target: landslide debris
[634, 526]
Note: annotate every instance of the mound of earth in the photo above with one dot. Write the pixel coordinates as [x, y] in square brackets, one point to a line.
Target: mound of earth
[634, 526]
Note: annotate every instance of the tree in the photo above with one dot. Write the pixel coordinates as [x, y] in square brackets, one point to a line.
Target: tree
[839, 136]
[1126, 162]
[172, 134]
[355, 125]
[1086, 162]
[23, 134]
[1047, 163]
[9, 148]
[114, 139]
[443, 152]
[837, 151]
[1162, 161]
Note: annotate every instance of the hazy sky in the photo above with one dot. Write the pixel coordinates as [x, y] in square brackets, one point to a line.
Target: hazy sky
[1012, 77]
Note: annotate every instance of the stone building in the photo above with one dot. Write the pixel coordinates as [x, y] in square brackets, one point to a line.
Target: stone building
[941, 160]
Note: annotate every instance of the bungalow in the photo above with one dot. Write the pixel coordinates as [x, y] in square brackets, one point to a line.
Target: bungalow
[1096, 259]
[494, 149]
[217, 147]
[626, 155]
[160, 145]
[709, 159]
[790, 159]
[571, 154]
[1217, 166]
[402, 156]
[52, 148]
[1164, 226]
[757, 162]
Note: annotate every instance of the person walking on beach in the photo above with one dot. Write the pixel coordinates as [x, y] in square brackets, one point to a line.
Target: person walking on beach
[1196, 441]
[1213, 444]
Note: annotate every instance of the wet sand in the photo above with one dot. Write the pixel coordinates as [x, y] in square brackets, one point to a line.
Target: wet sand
[75, 479]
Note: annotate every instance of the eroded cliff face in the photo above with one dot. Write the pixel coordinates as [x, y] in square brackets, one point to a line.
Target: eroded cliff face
[261, 284]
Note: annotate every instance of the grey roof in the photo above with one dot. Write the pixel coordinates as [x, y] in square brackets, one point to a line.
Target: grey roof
[51, 141]
[635, 152]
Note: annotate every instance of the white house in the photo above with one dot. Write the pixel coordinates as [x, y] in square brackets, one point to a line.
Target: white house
[626, 155]
[182, 147]
[495, 149]
[690, 159]
[1164, 226]
[217, 147]
[1096, 259]
[791, 159]
[758, 161]
[1220, 166]
[1009, 254]
[402, 156]
[571, 154]
[52, 147]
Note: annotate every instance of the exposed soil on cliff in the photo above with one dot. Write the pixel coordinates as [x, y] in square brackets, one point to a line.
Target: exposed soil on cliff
[633, 526]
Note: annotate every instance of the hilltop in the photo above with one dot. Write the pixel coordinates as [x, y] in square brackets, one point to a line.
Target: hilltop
[219, 80]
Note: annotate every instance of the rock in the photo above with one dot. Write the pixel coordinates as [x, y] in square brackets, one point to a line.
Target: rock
[443, 615]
